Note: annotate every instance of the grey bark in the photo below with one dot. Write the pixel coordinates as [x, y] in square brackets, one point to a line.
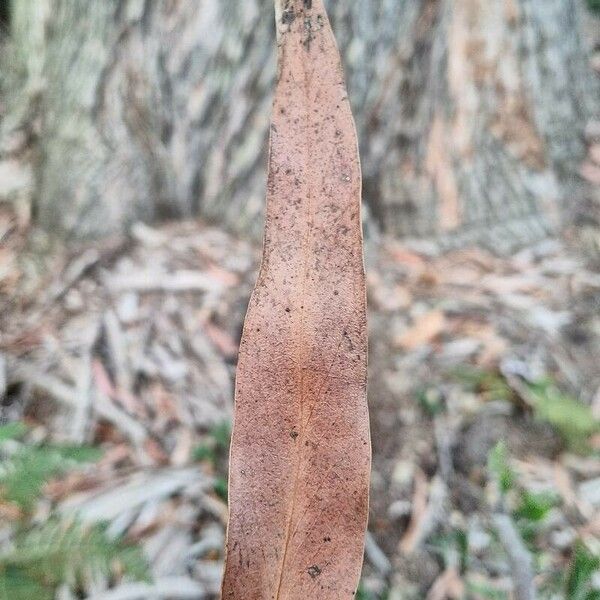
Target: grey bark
[470, 113]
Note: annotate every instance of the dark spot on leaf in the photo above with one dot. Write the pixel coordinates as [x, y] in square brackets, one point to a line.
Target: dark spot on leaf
[314, 571]
[288, 16]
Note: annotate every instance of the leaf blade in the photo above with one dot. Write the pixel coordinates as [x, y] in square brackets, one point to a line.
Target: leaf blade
[300, 454]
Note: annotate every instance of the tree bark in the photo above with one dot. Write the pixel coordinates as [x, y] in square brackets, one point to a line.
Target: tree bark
[470, 113]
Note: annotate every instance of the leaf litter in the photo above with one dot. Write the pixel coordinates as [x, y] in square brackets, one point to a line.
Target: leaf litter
[152, 392]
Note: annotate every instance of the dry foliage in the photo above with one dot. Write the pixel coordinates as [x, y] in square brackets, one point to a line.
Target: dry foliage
[300, 458]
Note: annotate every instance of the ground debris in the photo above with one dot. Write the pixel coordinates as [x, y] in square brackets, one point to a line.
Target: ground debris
[131, 345]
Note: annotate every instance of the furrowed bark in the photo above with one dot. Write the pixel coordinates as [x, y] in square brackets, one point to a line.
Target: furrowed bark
[470, 113]
[300, 456]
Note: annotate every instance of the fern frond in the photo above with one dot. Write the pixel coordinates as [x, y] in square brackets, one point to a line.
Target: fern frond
[58, 552]
[24, 473]
[12, 431]
[14, 585]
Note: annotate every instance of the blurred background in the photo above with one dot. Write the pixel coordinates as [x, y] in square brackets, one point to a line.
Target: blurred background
[133, 141]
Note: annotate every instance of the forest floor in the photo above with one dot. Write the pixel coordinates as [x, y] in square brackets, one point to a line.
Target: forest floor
[484, 395]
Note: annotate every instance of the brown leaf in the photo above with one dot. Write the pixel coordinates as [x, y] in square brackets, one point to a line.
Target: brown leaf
[426, 328]
[590, 172]
[419, 509]
[447, 585]
[407, 258]
[594, 153]
[10, 512]
[221, 339]
[300, 458]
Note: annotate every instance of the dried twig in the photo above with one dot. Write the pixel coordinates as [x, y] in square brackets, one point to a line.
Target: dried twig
[175, 588]
[158, 281]
[3, 381]
[81, 416]
[24, 372]
[520, 560]
[376, 556]
[77, 269]
[115, 339]
[134, 494]
[429, 501]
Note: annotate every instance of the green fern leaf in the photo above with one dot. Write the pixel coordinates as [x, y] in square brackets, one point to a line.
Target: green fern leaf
[572, 419]
[14, 585]
[24, 473]
[12, 431]
[58, 552]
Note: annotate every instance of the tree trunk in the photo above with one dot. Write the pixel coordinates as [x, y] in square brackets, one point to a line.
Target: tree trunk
[470, 112]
